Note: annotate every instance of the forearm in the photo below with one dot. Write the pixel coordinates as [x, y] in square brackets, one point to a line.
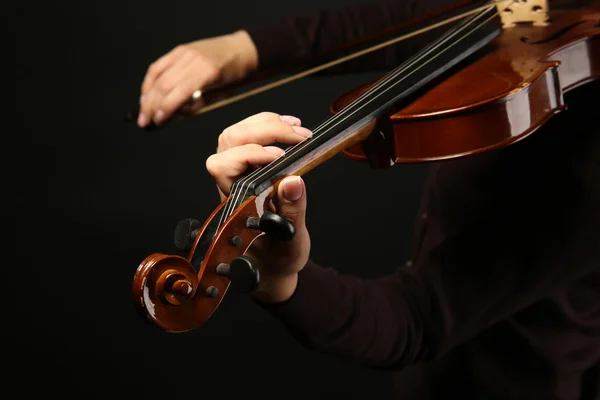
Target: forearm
[378, 323]
[464, 277]
[296, 37]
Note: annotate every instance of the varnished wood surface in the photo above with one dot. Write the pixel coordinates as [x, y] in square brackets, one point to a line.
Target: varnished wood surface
[498, 99]
[169, 292]
[503, 96]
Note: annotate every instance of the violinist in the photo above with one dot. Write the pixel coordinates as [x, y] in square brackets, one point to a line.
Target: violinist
[501, 299]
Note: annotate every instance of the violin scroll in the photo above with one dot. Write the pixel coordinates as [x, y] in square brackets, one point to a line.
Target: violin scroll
[179, 294]
[164, 289]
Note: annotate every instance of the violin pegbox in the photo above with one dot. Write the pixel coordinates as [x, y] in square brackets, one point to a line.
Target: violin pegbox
[513, 12]
[178, 294]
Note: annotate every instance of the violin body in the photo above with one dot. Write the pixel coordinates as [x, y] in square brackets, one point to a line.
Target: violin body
[513, 86]
[500, 98]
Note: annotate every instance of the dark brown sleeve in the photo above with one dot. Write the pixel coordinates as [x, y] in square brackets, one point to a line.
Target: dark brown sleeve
[298, 36]
[499, 231]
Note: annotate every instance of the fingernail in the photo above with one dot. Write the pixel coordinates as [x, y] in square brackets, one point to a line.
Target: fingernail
[142, 99]
[302, 131]
[274, 150]
[292, 188]
[159, 116]
[142, 120]
[288, 119]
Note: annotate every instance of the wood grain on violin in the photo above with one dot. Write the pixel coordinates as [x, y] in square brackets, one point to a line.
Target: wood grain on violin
[477, 88]
[497, 100]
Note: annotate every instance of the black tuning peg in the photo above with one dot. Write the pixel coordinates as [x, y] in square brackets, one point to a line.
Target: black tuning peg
[273, 225]
[242, 272]
[185, 233]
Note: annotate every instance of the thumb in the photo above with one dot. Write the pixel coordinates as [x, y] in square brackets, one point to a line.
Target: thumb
[291, 200]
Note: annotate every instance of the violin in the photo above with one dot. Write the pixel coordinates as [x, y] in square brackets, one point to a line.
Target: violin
[487, 83]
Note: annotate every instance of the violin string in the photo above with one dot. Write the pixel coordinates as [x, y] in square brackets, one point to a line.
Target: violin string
[395, 73]
[382, 82]
[340, 117]
[311, 71]
[351, 109]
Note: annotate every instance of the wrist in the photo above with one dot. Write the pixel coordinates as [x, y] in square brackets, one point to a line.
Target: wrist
[245, 49]
[278, 289]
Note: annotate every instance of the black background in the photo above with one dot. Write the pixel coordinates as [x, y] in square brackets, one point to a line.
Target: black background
[103, 195]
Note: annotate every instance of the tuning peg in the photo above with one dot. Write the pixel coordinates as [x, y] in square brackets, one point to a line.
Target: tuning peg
[273, 225]
[242, 272]
[185, 233]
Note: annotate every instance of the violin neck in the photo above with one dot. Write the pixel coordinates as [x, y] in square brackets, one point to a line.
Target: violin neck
[353, 122]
